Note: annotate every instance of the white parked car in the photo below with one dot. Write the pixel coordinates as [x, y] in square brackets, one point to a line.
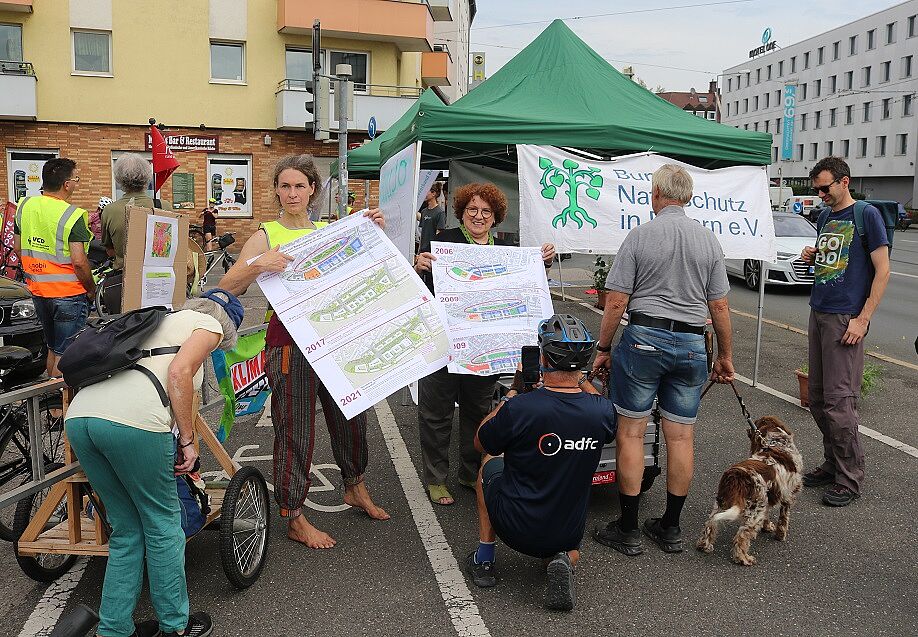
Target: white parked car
[792, 233]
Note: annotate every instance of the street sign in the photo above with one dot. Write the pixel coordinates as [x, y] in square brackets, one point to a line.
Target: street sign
[798, 207]
[371, 128]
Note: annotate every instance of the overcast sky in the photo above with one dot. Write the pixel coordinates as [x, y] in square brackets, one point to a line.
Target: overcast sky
[703, 39]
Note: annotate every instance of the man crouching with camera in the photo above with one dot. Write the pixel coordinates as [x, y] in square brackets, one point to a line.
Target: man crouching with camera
[541, 449]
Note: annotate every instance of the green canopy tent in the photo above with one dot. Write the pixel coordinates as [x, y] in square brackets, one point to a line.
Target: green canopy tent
[560, 92]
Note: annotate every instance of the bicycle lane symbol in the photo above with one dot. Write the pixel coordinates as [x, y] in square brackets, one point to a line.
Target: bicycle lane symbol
[324, 484]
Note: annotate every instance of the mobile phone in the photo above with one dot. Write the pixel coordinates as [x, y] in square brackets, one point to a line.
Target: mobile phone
[531, 357]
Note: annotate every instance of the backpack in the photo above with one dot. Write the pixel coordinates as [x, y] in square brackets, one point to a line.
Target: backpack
[193, 502]
[889, 212]
[108, 346]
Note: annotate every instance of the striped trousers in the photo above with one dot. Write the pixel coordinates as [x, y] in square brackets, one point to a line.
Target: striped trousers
[294, 389]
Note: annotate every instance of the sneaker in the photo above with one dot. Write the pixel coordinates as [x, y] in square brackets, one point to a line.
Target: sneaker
[627, 542]
[483, 575]
[559, 584]
[838, 496]
[148, 628]
[199, 625]
[818, 477]
[667, 538]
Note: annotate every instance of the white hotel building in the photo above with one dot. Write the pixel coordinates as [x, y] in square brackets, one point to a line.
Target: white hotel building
[856, 98]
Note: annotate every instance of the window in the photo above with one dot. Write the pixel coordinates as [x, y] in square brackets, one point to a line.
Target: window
[907, 66]
[887, 66]
[781, 68]
[846, 148]
[774, 154]
[767, 126]
[817, 120]
[777, 98]
[912, 30]
[745, 126]
[803, 91]
[865, 76]
[829, 148]
[227, 62]
[818, 88]
[767, 97]
[814, 150]
[755, 103]
[768, 72]
[229, 181]
[793, 65]
[887, 109]
[755, 126]
[862, 147]
[729, 84]
[299, 67]
[11, 42]
[901, 143]
[820, 55]
[806, 60]
[758, 76]
[880, 146]
[890, 33]
[852, 45]
[803, 121]
[712, 115]
[849, 114]
[359, 65]
[799, 153]
[907, 105]
[871, 39]
[849, 80]
[866, 112]
[835, 50]
[746, 105]
[833, 117]
[736, 107]
[833, 84]
[728, 109]
[778, 126]
[92, 52]
[748, 77]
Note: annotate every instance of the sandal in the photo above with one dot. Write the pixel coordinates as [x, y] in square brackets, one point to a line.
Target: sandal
[439, 492]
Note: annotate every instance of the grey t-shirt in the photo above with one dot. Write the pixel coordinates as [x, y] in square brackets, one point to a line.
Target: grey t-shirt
[432, 220]
[671, 267]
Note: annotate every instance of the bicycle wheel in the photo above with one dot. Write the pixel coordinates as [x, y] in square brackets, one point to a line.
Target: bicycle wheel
[244, 527]
[44, 567]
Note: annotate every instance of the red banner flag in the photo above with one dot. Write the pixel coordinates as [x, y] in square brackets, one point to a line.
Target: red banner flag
[164, 161]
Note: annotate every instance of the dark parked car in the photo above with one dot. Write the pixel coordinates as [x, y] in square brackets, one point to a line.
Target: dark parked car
[19, 326]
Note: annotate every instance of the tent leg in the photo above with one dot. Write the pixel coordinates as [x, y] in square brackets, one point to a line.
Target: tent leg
[561, 277]
[763, 274]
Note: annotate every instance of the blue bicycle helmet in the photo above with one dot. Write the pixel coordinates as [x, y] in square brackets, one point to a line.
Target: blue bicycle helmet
[565, 342]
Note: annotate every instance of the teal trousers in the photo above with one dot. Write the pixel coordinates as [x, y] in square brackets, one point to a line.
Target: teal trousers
[132, 472]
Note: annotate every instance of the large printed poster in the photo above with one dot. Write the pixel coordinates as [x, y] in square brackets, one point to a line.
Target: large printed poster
[586, 205]
[494, 298]
[229, 181]
[398, 193]
[359, 312]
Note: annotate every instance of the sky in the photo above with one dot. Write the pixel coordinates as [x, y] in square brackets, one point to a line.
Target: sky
[699, 42]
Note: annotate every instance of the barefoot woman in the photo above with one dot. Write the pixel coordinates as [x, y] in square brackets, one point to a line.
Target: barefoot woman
[295, 387]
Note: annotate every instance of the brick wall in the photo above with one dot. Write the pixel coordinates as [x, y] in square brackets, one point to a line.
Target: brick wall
[91, 146]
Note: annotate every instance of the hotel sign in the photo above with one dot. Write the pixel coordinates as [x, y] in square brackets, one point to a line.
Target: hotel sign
[767, 44]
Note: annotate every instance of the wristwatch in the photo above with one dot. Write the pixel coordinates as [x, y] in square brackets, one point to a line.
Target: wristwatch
[505, 399]
[604, 350]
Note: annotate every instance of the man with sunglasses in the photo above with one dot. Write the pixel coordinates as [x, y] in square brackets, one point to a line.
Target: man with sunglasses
[51, 237]
[851, 261]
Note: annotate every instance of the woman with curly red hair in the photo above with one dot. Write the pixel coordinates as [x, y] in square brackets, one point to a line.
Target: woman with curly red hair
[479, 207]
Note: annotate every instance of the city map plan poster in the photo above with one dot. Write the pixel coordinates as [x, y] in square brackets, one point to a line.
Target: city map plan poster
[359, 313]
[494, 298]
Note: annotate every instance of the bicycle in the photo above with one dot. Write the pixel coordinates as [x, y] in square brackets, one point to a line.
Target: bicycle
[218, 256]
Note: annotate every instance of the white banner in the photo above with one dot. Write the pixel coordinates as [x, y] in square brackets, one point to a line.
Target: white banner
[585, 205]
[398, 189]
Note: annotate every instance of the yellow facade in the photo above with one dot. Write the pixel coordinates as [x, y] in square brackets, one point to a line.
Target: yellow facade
[161, 66]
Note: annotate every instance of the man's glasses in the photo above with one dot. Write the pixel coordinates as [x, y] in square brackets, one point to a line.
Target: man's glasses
[825, 189]
[76, 179]
[484, 213]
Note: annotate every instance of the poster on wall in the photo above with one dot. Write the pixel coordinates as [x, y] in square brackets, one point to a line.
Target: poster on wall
[24, 172]
[229, 181]
[183, 191]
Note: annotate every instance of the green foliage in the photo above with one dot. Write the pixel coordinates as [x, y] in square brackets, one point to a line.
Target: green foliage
[871, 378]
[601, 271]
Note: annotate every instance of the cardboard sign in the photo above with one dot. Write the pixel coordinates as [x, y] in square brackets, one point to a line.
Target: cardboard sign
[155, 259]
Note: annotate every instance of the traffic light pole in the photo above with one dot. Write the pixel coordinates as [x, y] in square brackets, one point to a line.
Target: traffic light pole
[343, 72]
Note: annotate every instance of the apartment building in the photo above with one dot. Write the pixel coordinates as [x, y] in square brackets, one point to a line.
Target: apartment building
[227, 78]
[698, 104]
[855, 97]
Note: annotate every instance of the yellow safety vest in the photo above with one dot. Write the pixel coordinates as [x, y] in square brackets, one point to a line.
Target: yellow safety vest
[279, 234]
[44, 225]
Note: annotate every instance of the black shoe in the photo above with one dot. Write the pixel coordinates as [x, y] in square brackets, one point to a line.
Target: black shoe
[149, 628]
[838, 496]
[627, 542]
[667, 538]
[818, 477]
[483, 575]
[199, 625]
[559, 584]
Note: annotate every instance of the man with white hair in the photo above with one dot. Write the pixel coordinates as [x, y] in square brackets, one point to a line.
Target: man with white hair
[669, 273]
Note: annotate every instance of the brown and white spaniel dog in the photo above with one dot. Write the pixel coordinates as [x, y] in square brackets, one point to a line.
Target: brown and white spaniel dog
[770, 477]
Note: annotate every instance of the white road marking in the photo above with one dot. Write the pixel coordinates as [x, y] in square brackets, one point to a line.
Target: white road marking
[867, 431]
[908, 240]
[49, 608]
[456, 595]
[911, 276]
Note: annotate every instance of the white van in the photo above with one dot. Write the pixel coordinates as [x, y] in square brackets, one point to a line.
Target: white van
[801, 204]
[779, 195]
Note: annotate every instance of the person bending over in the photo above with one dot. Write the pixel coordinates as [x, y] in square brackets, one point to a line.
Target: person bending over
[535, 497]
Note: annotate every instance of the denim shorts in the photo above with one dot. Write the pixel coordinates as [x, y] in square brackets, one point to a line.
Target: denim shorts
[651, 362]
[61, 319]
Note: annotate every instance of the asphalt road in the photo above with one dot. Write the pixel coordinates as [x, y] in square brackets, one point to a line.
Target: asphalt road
[841, 571]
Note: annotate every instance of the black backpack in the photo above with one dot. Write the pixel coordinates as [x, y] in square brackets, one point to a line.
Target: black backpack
[108, 346]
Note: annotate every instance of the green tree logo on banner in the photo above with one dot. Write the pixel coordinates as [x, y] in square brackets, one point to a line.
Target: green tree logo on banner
[574, 177]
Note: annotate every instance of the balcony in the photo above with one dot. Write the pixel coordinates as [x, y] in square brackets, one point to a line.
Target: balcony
[17, 91]
[22, 6]
[437, 67]
[442, 10]
[385, 103]
[407, 25]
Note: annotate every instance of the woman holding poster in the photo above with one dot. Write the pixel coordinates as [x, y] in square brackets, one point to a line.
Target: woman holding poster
[479, 207]
[294, 384]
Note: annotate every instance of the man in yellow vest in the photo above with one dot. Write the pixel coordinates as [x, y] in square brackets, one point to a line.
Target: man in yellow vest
[51, 236]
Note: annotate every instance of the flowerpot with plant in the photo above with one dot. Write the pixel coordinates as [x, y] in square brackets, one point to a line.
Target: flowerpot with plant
[870, 380]
[803, 379]
[600, 273]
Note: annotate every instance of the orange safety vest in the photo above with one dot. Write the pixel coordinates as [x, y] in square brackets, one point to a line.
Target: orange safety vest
[44, 225]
